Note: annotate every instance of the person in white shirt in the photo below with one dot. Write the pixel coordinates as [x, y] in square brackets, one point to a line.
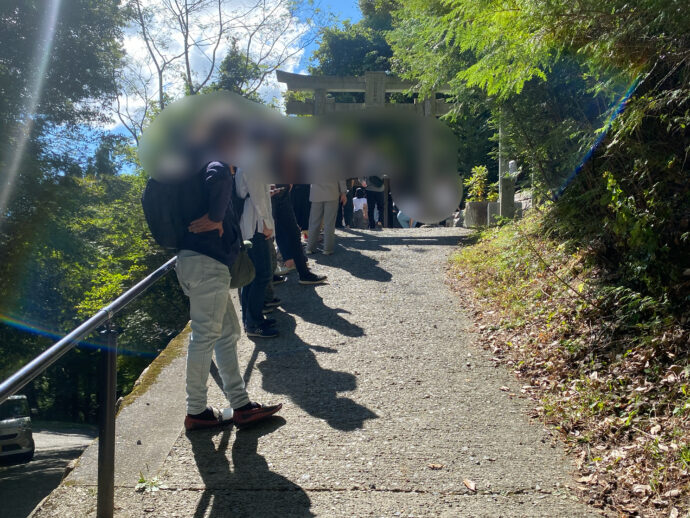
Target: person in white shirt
[257, 226]
[359, 214]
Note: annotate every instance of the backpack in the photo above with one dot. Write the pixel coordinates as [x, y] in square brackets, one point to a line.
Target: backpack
[375, 181]
[161, 202]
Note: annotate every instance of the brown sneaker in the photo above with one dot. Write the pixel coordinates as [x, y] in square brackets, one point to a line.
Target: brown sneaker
[254, 412]
[209, 418]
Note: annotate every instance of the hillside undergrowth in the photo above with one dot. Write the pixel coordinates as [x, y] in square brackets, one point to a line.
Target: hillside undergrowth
[608, 367]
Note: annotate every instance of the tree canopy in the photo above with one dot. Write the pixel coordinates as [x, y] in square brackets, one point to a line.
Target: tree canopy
[552, 73]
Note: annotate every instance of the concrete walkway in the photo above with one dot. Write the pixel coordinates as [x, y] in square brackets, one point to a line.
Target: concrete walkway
[389, 408]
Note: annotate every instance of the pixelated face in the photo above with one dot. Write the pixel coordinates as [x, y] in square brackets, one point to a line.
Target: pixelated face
[418, 154]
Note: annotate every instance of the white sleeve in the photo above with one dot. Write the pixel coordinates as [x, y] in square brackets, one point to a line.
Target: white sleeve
[261, 199]
[241, 183]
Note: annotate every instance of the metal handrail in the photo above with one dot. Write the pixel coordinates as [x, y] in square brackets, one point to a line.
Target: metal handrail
[106, 432]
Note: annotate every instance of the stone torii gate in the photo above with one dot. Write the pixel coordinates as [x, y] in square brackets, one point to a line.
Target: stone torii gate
[375, 86]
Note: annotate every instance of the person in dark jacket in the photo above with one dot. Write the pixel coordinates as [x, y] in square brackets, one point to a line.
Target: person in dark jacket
[288, 236]
[299, 194]
[374, 191]
[209, 247]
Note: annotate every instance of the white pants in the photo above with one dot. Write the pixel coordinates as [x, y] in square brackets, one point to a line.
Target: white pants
[214, 328]
[325, 211]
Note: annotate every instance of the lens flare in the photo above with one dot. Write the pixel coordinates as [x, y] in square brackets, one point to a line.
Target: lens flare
[35, 328]
[619, 107]
[41, 60]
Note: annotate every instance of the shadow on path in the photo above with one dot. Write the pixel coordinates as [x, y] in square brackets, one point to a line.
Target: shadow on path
[249, 487]
[308, 304]
[23, 486]
[291, 368]
[354, 262]
[348, 255]
[375, 240]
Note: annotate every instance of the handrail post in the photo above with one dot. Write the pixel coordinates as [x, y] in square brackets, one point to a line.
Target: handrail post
[106, 430]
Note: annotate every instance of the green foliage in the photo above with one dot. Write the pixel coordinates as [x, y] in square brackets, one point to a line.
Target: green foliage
[86, 50]
[148, 485]
[478, 184]
[353, 49]
[377, 14]
[549, 73]
[350, 51]
[235, 72]
[73, 236]
[64, 264]
[500, 47]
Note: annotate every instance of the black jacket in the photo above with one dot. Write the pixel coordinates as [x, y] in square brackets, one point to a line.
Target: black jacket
[211, 193]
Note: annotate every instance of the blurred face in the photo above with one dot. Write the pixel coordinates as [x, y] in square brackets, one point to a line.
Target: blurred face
[226, 146]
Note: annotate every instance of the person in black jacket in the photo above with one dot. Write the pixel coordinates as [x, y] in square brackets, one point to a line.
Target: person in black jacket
[288, 236]
[299, 195]
[209, 247]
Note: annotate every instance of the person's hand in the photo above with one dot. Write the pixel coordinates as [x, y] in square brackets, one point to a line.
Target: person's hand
[343, 199]
[205, 224]
[268, 232]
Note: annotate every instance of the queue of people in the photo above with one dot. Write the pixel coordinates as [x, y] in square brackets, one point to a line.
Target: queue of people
[238, 208]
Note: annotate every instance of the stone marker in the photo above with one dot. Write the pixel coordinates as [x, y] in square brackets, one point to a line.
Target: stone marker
[475, 214]
[492, 212]
[506, 196]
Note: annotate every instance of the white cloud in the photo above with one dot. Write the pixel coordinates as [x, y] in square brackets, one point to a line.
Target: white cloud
[266, 29]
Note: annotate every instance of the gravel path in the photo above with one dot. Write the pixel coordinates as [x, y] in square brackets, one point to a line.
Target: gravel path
[389, 407]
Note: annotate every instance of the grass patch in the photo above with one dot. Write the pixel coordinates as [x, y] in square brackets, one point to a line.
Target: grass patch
[608, 367]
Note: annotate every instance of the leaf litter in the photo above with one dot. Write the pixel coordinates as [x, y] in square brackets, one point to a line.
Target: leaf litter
[609, 380]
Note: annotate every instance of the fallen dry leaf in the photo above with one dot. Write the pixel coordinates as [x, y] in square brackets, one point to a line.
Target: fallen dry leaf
[641, 489]
[470, 484]
[620, 429]
[435, 466]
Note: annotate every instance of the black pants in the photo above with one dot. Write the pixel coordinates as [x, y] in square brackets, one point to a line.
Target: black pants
[374, 198]
[349, 208]
[339, 216]
[288, 237]
[301, 204]
[345, 212]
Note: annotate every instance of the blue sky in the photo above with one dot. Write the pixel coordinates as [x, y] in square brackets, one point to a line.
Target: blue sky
[344, 10]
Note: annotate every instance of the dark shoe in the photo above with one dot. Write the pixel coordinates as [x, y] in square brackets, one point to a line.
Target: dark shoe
[266, 310]
[279, 279]
[312, 278]
[269, 322]
[254, 412]
[272, 303]
[261, 332]
[209, 418]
